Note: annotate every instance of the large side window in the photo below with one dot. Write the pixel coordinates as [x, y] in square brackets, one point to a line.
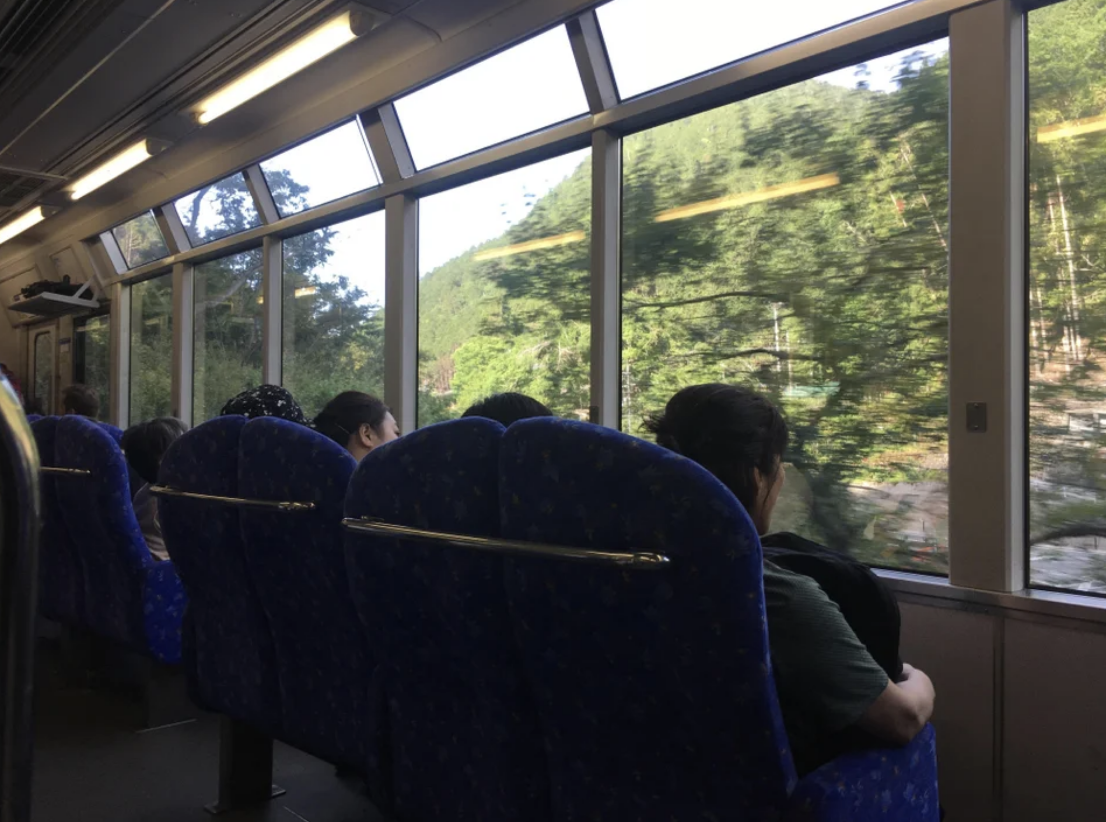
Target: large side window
[796, 243]
[92, 358]
[1067, 297]
[227, 352]
[151, 349]
[334, 311]
[218, 210]
[503, 290]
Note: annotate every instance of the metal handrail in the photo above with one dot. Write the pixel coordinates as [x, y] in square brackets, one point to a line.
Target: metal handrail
[638, 560]
[19, 532]
[238, 502]
[65, 472]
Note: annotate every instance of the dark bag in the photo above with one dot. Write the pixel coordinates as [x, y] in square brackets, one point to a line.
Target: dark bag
[865, 601]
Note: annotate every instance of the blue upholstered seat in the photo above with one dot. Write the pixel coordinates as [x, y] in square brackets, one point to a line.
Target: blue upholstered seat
[297, 564]
[464, 734]
[32, 418]
[60, 572]
[228, 652]
[655, 688]
[129, 597]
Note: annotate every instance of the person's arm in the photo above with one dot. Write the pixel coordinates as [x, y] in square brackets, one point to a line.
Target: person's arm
[902, 710]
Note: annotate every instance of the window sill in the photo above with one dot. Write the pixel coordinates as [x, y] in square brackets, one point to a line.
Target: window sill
[1061, 605]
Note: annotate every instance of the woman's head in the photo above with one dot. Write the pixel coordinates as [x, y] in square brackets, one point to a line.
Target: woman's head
[736, 434]
[507, 408]
[145, 444]
[265, 401]
[358, 422]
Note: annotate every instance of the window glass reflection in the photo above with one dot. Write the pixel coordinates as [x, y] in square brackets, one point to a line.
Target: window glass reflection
[140, 240]
[92, 358]
[334, 312]
[151, 349]
[326, 168]
[218, 210]
[796, 243]
[504, 299]
[227, 352]
[1067, 297]
[651, 43]
[530, 86]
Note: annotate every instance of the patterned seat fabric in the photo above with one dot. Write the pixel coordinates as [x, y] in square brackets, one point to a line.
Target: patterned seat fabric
[654, 687]
[464, 736]
[229, 656]
[297, 564]
[129, 597]
[60, 573]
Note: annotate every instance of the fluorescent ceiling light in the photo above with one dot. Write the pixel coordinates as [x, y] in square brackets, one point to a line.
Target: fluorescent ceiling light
[1071, 128]
[17, 226]
[531, 245]
[116, 166]
[749, 197]
[310, 48]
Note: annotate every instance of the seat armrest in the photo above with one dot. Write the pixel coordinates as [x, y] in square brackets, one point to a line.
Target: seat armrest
[163, 602]
[888, 784]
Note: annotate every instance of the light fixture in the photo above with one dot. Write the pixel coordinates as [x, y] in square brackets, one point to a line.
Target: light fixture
[310, 48]
[24, 221]
[749, 197]
[531, 245]
[305, 291]
[121, 163]
[1071, 128]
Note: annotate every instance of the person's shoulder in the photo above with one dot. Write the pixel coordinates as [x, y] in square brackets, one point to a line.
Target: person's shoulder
[781, 582]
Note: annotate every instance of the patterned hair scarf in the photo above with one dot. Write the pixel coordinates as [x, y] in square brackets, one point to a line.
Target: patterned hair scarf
[265, 401]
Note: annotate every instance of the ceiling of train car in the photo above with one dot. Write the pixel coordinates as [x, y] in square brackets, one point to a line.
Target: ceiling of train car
[80, 78]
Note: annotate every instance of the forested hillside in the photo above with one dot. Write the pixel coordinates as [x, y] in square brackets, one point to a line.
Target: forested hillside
[796, 242]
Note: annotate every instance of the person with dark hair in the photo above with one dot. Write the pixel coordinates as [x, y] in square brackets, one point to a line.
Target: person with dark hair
[834, 694]
[265, 401]
[80, 399]
[358, 422]
[145, 445]
[507, 408]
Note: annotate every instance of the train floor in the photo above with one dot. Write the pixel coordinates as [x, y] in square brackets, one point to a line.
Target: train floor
[94, 763]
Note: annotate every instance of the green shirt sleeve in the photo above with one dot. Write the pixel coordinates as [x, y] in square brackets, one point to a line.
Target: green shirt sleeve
[825, 677]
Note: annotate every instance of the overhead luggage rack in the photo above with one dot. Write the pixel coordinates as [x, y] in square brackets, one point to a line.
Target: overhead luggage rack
[49, 304]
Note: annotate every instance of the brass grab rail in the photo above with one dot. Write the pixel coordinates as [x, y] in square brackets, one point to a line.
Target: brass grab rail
[65, 472]
[239, 502]
[640, 560]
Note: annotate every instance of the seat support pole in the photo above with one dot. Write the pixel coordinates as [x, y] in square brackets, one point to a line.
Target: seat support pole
[245, 767]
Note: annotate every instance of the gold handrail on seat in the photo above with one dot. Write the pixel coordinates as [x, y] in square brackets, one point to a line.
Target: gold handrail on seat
[639, 560]
[239, 502]
[65, 472]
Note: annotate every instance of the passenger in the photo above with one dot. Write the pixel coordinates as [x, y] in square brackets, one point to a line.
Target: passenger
[80, 399]
[833, 693]
[507, 408]
[265, 401]
[144, 446]
[358, 422]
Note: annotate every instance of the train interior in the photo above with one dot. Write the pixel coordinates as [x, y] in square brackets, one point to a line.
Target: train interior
[884, 216]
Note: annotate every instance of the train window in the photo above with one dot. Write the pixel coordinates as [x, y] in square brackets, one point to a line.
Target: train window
[140, 240]
[334, 311]
[503, 293]
[92, 358]
[151, 349]
[651, 45]
[523, 89]
[227, 349]
[218, 210]
[1067, 299]
[43, 383]
[323, 169]
[796, 243]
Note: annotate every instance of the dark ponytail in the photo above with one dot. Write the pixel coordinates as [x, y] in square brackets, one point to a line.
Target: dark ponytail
[344, 415]
[733, 432]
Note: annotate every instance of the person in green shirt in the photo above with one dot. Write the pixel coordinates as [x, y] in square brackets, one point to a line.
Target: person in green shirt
[833, 695]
